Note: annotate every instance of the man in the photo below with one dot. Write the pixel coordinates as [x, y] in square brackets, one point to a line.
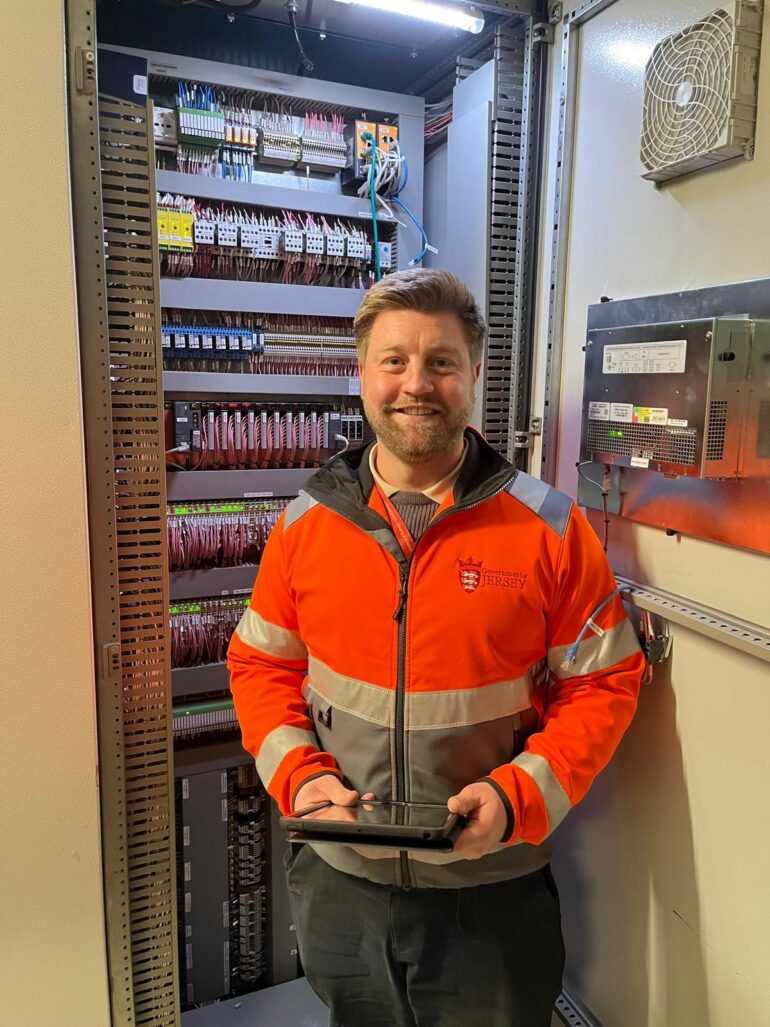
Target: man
[430, 625]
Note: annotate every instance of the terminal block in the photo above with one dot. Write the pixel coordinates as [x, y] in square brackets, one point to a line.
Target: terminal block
[204, 128]
[323, 154]
[278, 142]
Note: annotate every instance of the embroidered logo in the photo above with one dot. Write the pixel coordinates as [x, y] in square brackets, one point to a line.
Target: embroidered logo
[470, 574]
[473, 574]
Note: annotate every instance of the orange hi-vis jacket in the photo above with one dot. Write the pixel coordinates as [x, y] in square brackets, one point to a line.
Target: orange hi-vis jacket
[499, 650]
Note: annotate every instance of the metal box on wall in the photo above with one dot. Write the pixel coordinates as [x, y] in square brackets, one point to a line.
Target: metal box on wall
[676, 397]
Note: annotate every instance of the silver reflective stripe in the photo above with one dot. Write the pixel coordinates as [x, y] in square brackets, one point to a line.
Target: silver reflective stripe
[462, 707]
[556, 800]
[277, 745]
[548, 503]
[260, 634]
[596, 652]
[425, 711]
[369, 702]
[296, 508]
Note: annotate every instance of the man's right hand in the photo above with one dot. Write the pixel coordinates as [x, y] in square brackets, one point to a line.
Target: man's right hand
[324, 788]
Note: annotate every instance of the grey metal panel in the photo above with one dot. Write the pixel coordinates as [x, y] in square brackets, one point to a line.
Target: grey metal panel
[213, 581]
[210, 677]
[222, 383]
[468, 194]
[236, 484]
[280, 196]
[257, 80]
[210, 756]
[259, 297]
[436, 205]
[292, 1004]
[475, 90]
[731, 512]
[734, 298]
[205, 886]
[559, 244]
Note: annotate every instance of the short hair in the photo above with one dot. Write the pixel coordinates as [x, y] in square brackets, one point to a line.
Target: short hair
[428, 291]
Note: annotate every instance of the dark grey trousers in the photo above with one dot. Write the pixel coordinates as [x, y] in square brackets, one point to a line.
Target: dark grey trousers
[489, 956]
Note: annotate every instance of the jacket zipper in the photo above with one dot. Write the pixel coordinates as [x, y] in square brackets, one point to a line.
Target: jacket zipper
[400, 617]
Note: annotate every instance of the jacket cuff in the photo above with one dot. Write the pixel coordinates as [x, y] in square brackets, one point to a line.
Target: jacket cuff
[310, 777]
[509, 817]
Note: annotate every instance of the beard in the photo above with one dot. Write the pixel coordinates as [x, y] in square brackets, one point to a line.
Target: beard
[423, 439]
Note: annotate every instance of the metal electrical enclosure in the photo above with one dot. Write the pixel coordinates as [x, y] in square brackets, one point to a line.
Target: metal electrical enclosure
[676, 397]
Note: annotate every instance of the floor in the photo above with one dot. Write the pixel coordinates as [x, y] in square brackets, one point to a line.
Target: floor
[287, 1005]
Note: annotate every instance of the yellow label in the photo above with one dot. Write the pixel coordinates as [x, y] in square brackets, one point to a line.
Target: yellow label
[186, 229]
[174, 226]
[163, 227]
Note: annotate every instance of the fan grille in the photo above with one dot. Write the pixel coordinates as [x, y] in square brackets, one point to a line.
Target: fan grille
[687, 92]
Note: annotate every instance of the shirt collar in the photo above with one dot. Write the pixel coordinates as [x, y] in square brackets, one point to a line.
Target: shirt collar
[437, 492]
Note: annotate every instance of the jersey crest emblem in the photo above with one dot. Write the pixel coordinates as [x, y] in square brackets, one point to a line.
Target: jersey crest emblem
[470, 574]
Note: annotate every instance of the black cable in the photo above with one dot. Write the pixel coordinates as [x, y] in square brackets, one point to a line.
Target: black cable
[291, 8]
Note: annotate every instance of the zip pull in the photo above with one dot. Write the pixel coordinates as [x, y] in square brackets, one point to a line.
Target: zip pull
[401, 598]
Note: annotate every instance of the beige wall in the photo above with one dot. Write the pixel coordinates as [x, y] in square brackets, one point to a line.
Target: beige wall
[663, 868]
[52, 958]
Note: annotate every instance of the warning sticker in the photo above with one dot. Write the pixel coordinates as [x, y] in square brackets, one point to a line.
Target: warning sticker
[645, 358]
[621, 412]
[650, 415]
[598, 411]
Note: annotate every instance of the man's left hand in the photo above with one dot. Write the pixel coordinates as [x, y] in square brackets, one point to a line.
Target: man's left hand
[485, 819]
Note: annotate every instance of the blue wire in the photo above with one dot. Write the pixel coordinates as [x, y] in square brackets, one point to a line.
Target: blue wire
[420, 229]
[572, 650]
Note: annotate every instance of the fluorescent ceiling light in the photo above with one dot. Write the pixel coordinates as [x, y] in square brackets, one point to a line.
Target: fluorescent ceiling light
[452, 15]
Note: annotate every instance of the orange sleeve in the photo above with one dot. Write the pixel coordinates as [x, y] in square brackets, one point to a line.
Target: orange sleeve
[595, 669]
[267, 660]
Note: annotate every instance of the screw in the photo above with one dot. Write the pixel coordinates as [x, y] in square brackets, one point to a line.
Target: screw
[230, 19]
[322, 36]
[413, 53]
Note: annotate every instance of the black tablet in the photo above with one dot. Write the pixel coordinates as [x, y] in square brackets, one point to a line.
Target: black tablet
[399, 825]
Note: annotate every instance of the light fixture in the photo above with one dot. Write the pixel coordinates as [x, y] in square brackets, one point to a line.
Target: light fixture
[452, 15]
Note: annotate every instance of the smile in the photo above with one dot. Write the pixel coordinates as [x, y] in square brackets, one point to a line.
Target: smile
[417, 412]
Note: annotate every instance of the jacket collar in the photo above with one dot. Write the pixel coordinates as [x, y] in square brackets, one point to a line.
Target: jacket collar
[345, 483]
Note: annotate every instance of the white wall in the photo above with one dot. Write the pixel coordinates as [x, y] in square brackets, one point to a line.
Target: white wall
[663, 867]
[52, 957]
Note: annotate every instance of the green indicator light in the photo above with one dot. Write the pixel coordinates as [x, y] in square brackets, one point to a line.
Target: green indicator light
[180, 509]
[615, 434]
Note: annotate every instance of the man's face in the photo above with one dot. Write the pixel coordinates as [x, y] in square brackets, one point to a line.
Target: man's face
[417, 383]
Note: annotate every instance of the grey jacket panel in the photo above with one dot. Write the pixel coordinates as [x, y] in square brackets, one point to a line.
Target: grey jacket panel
[381, 865]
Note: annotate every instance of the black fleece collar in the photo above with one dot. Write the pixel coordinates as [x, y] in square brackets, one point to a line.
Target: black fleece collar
[345, 483]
